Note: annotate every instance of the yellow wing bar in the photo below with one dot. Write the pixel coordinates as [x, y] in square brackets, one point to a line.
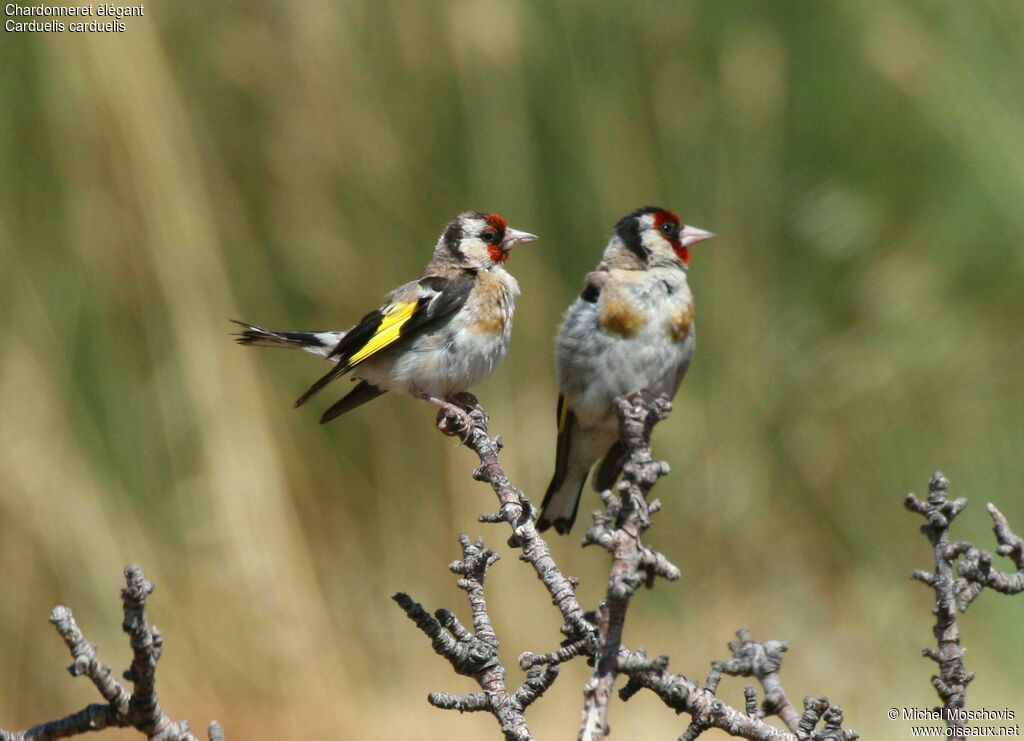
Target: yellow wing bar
[388, 332]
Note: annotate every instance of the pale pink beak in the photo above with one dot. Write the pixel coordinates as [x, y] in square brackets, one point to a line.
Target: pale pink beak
[690, 235]
[514, 237]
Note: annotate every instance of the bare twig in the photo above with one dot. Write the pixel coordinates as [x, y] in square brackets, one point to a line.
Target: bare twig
[475, 653]
[517, 511]
[952, 680]
[626, 516]
[763, 661]
[139, 709]
[707, 711]
[976, 566]
[686, 696]
[618, 530]
[962, 571]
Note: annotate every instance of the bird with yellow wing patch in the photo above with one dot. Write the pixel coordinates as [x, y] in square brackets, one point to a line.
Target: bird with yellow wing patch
[435, 337]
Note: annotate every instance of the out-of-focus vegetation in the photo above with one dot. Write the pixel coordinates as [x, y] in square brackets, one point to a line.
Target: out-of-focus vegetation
[861, 324]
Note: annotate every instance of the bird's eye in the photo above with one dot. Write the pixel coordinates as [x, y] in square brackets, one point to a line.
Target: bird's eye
[668, 227]
[489, 235]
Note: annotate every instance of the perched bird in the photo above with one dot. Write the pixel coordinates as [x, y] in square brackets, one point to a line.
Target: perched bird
[631, 329]
[434, 337]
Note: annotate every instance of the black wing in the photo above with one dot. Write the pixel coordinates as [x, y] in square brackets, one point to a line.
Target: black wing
[431, 301]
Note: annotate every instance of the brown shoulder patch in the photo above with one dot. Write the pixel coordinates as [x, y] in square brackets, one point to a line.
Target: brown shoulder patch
[621, 318]
[679, 323]
[489, 323]
[490, 304]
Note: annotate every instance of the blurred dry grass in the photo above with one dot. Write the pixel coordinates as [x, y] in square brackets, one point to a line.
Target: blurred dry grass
[860, 326]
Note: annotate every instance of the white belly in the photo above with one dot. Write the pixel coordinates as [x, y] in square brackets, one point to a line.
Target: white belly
[596, 365]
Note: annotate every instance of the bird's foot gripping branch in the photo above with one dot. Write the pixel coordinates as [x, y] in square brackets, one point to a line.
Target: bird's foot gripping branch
[597, 635]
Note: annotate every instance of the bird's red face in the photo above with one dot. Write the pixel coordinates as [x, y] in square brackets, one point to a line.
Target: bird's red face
[500, 238]
[680, 236]
[494, 235]
[655, 235]
[479, 240]
[667, 224]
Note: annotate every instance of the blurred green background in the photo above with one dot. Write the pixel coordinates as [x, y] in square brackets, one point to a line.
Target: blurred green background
[861, 324]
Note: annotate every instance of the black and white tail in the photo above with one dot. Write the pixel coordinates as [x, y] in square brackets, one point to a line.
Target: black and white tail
[318, 343]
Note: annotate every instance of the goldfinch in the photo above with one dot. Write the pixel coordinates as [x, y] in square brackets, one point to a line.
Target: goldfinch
[434, 337]
[631, 329]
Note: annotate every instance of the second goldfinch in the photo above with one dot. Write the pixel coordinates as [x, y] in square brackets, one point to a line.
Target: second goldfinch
[631, 329]
[434, 337]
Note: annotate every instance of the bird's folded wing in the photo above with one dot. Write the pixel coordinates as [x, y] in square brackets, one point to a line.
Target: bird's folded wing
[413, 309]
[389, 328]
[566, 421]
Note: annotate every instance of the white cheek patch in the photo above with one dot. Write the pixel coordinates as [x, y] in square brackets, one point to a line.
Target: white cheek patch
[475, 250]
[656, 243]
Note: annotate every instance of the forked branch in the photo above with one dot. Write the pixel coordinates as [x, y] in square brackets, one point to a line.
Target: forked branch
[598, 635]
[140, 708]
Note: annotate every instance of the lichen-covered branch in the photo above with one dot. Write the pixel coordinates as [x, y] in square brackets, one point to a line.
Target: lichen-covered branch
[475, 653]
[138, 709]
[952, 680]
[976, 566]
[962, 571]
[516, 510]
[708, 711]
[618, 530]
[751, 658]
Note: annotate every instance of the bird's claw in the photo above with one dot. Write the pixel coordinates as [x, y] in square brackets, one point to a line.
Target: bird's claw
[452, 418]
